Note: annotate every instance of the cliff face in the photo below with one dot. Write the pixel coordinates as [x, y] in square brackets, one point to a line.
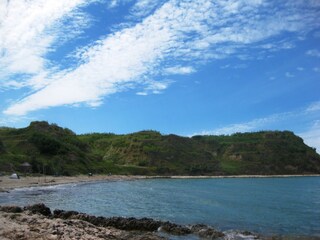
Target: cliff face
[57, 150]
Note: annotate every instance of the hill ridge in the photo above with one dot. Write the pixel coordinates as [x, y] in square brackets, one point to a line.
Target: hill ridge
[56, 150]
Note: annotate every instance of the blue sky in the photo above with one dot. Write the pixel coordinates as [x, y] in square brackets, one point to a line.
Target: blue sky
[183, 67]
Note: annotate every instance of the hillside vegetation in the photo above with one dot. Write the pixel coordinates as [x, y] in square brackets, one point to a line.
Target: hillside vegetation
[55, 150]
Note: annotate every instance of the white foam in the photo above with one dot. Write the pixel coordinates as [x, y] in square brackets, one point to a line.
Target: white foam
[237, 235]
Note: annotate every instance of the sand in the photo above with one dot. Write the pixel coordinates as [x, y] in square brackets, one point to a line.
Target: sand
[6, 184]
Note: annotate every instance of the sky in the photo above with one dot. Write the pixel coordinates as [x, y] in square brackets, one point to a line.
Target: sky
[180, 66]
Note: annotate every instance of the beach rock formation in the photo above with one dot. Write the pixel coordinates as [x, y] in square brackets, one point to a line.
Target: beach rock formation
[206, 231]
[129, 224]
[30, 223]
[38, 222]
[39, 208]
[11, 209]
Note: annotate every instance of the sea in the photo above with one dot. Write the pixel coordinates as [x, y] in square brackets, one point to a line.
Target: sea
[267, 206]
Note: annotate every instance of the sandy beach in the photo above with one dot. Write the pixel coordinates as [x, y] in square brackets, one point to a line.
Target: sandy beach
[6, 184]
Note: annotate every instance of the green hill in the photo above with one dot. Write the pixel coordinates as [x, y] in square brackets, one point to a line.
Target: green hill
[56, 150]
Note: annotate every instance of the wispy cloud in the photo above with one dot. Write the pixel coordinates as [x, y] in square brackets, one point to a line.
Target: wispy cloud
[313, 107]
[176, 33]
[284, 44]
[179, 70]
[154, 87]
[253, 125]
[289, 75]
[236, 66]
[13, 120]
[310, 135]
[31, 29]
[316, 69]
[313, 53]
[115, 3]
[143, 8]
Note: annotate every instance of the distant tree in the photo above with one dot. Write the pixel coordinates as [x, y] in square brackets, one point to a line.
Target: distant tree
[45, 144]
[2, 148]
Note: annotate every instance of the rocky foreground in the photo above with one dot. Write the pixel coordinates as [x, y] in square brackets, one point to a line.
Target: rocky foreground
[38, 222]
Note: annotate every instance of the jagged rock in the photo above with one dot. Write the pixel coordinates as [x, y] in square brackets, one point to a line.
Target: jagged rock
[11, 209]
[64, 214]
[128, 224]
[143, 224]
[28, 226]
[246, 233]
[39, 208]
[206, 232]
[175, 229]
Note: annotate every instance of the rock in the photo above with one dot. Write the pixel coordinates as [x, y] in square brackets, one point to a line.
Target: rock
[247, 233]
[64, 214]
[206, 232]
[28, 226]
[82, 220]
[39, 208]
[11, 209]
[52, 237]
[175, 229]
[197, 227]
[129, 224]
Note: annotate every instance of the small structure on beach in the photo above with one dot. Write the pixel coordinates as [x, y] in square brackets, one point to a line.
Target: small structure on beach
[26, 167]
[14, 176]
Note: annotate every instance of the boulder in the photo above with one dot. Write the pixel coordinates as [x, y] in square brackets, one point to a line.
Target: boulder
[175, 229]
[11, 209]
[39, 208]
[205, 231]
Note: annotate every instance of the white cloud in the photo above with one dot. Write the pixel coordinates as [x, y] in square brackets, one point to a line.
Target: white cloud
[235, 66]
[313, 107]
[252, 125]
[300, 69]
[312, 136]
[179, 33]
[142, 93]
[13, 120]
[29, 30]
[154, 87]
[289, 75]
[316, 34]
[113, 3]
[143, 8]
[277, 45]
[116, 3]
[179, 70]
[313, 53]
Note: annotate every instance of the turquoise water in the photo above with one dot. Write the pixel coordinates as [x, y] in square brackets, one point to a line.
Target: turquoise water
[285, 206]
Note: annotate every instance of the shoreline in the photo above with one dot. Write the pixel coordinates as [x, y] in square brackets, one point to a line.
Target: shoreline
[7, 184]
[243, 176]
